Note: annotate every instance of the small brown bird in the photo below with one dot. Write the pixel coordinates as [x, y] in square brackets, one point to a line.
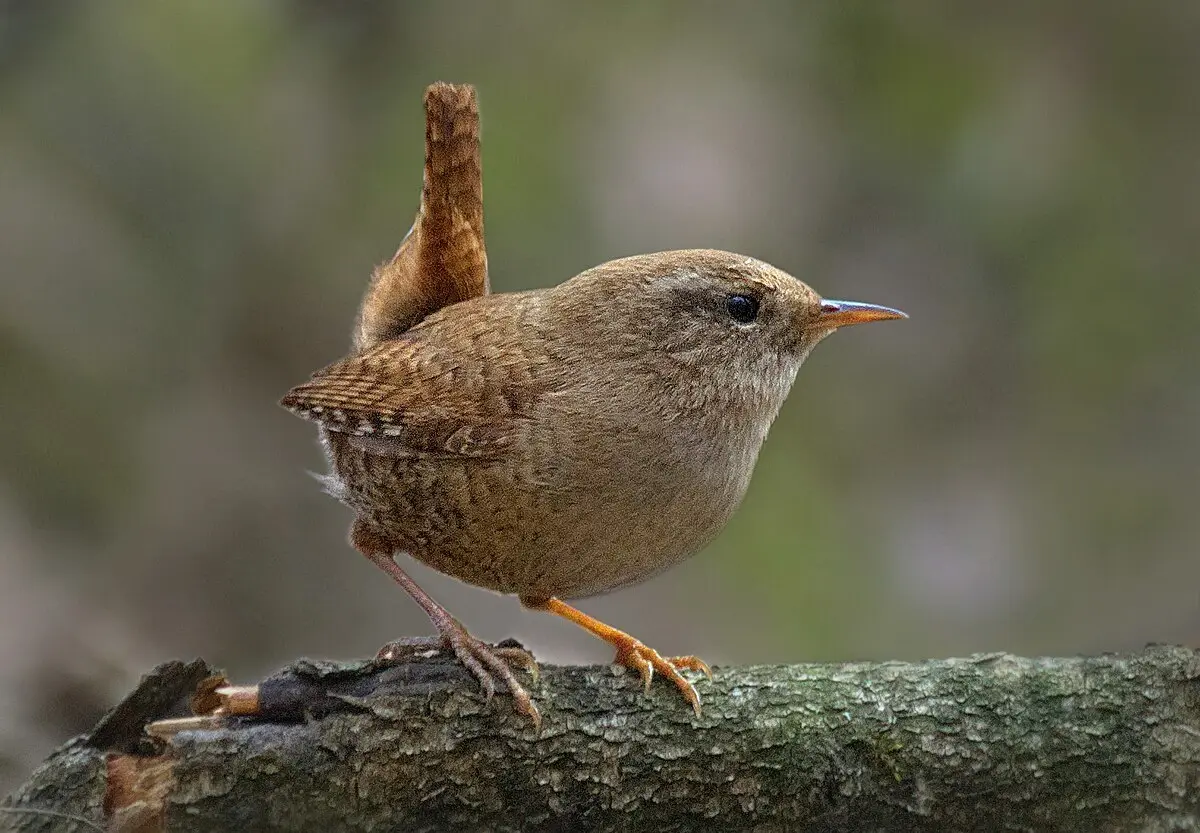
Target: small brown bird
[556, 443]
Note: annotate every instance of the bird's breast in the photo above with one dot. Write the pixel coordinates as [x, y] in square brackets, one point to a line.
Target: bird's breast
[642, 495]
[582, 502]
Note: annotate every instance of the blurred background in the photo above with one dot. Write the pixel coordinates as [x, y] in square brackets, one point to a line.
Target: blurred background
[193, 194]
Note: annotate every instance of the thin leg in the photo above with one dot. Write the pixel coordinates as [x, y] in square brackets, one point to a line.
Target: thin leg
[485, 662]
[630, 652]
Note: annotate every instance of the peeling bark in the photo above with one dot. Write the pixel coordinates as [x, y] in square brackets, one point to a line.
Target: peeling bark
[994, 742]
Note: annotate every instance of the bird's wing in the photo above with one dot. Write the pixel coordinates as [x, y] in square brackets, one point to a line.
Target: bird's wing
[408, 397]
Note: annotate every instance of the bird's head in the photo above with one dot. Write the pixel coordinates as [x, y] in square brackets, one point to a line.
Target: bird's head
[720, 326]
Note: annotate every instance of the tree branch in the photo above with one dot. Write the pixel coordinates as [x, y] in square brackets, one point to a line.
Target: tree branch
[1108, 743]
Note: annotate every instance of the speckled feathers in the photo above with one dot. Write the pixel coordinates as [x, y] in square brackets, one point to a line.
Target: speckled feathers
[555, 443]
[456, 385]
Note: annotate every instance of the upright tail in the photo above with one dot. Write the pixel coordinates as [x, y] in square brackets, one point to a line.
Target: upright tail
[443, 259]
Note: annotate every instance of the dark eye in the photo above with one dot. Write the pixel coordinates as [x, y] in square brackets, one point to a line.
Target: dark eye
[742, 308]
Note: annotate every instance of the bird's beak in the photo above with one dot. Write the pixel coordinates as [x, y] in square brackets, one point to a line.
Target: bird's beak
[836, 314]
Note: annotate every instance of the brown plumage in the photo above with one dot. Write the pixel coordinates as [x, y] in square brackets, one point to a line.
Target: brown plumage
[568, 441]
[442, 259]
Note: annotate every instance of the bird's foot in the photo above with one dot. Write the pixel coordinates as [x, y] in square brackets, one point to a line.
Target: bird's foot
[631, 653]
[645, 660]
[487, 663]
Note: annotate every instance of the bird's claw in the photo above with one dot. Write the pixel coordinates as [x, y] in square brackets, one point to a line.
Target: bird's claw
[485, 662]
[521, 658]
[645, 660]
[691, 663]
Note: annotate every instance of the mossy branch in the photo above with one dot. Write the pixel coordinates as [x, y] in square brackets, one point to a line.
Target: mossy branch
[992, 742]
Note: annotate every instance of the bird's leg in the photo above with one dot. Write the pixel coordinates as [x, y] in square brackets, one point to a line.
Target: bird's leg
[630, 652]
[485, 662]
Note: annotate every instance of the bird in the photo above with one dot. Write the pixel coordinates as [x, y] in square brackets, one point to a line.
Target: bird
[554, 443]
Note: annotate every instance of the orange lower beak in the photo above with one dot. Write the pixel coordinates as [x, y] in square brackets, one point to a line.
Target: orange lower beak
[836, 314]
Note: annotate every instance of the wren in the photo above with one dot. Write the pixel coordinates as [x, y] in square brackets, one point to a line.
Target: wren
[556, 443]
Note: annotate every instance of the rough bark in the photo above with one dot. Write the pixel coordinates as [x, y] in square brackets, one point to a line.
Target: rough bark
[993, 742]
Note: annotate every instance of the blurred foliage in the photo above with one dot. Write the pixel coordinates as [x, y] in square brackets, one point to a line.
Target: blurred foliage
[192, 195]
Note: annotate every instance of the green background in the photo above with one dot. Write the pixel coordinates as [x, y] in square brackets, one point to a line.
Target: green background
[192, 195]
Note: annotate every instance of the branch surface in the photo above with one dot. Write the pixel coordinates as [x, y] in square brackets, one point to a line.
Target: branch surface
[990, 742]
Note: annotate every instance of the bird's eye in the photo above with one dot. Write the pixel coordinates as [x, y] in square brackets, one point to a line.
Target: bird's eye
[742, 308]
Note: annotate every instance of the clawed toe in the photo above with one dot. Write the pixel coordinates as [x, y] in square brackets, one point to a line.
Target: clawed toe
[691, 663]
[637, 661]
[485, 662]
[489, 664]
[645, 660]
[630, 652]
[520, 658]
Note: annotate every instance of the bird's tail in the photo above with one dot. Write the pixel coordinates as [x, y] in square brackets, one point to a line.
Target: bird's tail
[443, 259]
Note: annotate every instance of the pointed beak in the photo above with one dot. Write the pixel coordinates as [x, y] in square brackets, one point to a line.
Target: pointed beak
[836, 314]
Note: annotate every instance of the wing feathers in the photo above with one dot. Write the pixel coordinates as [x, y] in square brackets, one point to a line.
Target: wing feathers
[406, 395]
